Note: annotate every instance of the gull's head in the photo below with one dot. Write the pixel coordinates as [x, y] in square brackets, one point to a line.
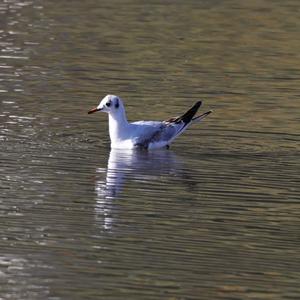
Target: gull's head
[110, 104]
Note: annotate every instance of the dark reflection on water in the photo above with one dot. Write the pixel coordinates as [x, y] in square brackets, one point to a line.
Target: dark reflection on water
[216, 217]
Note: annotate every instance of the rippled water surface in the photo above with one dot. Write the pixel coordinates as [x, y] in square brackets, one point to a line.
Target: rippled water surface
[214, 217]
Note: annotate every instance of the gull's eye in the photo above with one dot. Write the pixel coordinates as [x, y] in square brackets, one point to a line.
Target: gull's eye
[108, 104]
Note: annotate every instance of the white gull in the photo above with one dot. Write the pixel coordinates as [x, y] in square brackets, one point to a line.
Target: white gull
[143, 134]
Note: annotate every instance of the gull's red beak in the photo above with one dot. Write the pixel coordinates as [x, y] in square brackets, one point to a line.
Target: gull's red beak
[93, 110]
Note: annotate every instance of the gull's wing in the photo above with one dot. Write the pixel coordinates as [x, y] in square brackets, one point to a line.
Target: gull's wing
[187, 116]
[183, 121]
[147, 132]
[165, 132]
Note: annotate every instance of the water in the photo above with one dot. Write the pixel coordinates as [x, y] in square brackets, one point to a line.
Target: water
[215, 217]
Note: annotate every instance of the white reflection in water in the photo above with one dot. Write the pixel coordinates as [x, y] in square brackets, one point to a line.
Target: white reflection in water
[20, 278]
[126, 165]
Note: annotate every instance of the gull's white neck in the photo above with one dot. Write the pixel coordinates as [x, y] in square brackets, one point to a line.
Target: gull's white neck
[118, 126]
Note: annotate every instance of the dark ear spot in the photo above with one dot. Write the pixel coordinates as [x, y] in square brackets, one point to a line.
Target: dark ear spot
[117, 103]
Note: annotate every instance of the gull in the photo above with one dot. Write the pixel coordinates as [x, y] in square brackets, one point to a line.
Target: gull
[144, 134]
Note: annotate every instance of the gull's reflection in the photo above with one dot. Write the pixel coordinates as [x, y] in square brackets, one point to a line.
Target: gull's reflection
[125, 165]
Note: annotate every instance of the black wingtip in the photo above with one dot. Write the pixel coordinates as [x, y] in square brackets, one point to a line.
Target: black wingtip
[187, 117]
[198, 103]
[202, 116]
